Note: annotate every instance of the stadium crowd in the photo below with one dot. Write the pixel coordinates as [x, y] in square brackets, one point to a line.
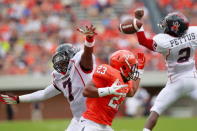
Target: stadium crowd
[30, 30]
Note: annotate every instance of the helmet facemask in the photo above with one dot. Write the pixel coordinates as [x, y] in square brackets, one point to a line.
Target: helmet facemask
[129, 72]
[60, 62]
[162, 24]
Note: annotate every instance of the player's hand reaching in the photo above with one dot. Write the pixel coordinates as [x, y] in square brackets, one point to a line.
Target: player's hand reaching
[139, 13]
[7, 99]
[117, 89]
[89, 32]
[141, 63]
[114, 89]
[141, 60]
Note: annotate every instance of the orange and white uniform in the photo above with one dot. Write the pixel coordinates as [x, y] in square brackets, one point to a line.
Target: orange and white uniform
[101, 111]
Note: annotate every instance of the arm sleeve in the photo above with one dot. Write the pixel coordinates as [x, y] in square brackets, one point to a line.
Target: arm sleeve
[152, 44]
[144, 41]
[40, 95]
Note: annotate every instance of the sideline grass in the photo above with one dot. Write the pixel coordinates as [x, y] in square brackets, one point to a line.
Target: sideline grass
[120, 124]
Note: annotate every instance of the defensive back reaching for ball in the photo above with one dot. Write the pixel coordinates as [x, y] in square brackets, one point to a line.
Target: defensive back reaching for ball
[177, 44]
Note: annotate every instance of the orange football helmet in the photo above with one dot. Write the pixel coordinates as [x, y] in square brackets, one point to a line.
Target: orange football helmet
[126, 62]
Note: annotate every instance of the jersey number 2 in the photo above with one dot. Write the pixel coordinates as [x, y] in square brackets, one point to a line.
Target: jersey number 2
[184, 55]
[69, 85]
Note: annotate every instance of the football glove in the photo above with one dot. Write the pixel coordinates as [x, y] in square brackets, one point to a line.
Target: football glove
[89, 32]
[141, 63]
[114, 89]
[7, 99]
[139, 13]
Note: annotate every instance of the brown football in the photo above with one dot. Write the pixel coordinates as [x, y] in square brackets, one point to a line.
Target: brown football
[130, 26]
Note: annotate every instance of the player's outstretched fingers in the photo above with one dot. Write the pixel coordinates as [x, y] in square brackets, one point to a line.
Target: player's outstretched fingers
[121, 90]
[116, 82]
[1, 98]
[6, 99]
[120, 94]
[121, 86]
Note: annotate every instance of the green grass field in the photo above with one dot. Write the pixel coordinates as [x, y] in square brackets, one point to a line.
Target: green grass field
[123, 124]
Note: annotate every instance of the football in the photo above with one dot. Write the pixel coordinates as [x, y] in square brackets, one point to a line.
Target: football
[130, 26]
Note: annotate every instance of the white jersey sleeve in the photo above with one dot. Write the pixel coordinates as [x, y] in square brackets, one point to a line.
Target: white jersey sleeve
[161, 43]
[40, 95]
[193, 30]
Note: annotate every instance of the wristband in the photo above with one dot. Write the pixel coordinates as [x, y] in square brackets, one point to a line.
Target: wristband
[141, 29]
[103, 91]
[89, 42]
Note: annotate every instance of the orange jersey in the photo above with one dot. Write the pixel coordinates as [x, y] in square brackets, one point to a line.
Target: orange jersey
[102, 110]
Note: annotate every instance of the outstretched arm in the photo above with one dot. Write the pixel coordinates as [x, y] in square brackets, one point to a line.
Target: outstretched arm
[144, 41]
[91, 91]
[86, 61]
[40, 95]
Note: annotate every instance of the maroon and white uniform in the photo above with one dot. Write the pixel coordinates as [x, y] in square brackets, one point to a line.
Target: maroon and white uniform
[70, 85]
[179, 53]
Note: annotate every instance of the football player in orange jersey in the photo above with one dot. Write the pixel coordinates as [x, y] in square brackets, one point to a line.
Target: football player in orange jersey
[103, 103]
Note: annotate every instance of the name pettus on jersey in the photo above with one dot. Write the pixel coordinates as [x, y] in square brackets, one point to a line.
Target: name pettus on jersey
[184, 39]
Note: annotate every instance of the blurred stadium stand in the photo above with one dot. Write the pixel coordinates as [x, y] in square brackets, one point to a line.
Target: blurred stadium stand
[30, 30]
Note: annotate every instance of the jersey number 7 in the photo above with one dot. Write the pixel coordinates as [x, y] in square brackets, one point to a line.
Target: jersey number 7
[68, 84]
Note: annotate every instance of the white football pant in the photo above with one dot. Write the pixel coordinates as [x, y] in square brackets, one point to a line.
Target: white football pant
[88, 125]
[74, 125]
[173, 91]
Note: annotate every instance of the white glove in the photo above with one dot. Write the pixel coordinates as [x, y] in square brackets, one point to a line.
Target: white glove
[7, 99]
[112, 89]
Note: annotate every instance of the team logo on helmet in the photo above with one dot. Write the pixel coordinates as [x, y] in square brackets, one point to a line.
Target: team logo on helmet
[175, 26]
